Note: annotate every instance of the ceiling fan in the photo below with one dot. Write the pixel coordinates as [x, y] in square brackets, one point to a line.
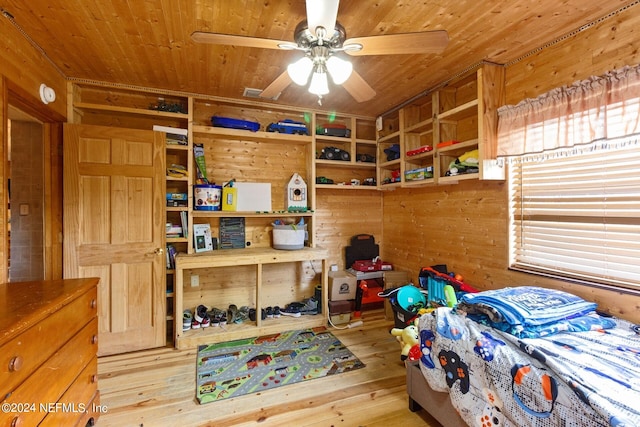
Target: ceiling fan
[323, 41]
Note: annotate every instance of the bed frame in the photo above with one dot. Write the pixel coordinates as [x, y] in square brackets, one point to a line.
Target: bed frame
[421, 396]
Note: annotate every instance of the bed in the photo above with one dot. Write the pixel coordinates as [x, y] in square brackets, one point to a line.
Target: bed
[526, 356]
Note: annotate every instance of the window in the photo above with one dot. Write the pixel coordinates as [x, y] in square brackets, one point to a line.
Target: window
[578, 216]
[574, 180]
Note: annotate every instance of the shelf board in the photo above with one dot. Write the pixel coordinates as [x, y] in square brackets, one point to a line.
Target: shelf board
[177, 240]
[461, 145]
[172, 178]
[177, 147]
[366, 141]
[455, 178]
[194, 337]
[248, 135]
[390, 186]
[420, 156]
[388, 138]
[130, 110]
[177, 208]
[346, 187]
[246, 256]
[465, 110]
[272, 214]
[420, 127]
[339, 139]
[343, 164]
[418, 182]
[393, 164]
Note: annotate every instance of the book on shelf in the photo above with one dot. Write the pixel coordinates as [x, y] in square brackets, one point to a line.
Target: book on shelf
[184, 222]
[202, 241]
[174, 230]
[175, 136]
[171, 257]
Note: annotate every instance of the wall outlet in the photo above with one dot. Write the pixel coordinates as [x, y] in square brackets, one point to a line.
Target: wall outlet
[195, 280]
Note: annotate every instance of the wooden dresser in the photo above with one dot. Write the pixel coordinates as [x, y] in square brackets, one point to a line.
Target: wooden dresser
[48, 346]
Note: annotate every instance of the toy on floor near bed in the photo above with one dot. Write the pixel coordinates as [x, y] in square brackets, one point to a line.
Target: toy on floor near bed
[529, 356]
[409, 341]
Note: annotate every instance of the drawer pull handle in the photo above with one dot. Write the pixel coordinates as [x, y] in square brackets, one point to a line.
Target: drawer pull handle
[94, 339]
[16, 422]
[15, 364]
[93, 304]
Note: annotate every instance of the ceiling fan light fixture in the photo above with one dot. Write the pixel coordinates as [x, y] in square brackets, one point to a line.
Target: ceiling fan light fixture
[339, 69]
[319, 83]
[300, 70]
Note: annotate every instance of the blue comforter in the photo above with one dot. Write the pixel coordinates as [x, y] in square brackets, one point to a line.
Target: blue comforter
[573, 379]
[529, 312]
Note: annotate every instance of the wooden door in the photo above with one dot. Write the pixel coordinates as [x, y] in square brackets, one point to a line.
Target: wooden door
[114, 229]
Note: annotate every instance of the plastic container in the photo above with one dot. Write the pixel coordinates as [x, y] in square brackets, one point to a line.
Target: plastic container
[288, 237]
[207, 197]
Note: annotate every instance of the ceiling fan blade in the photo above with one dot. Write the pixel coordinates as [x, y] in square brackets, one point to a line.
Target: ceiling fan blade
[400, 44]
[322, 13]
[278, 85]
[232, 40]
[358, 88]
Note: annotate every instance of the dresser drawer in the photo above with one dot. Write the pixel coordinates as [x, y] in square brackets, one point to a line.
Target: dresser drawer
[79, 399]
[51, 380]
[24, 353]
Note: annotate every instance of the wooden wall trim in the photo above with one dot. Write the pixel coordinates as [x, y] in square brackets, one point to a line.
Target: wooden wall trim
[26, 68]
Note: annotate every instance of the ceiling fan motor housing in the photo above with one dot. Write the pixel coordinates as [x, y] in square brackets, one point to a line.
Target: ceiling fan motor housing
[305, 39]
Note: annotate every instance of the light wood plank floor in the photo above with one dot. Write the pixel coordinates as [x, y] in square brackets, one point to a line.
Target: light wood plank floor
[157, 388]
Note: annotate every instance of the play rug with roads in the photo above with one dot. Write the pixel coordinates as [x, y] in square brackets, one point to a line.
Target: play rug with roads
[233, 368]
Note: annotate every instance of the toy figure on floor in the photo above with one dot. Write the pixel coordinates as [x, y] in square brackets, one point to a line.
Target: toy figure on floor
[409, 340]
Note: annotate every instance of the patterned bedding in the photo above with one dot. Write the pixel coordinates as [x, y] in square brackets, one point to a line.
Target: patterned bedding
[589, 378]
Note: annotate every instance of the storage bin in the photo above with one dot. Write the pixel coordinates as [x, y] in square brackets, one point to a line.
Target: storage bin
[288, 237]
[207, 197]
[401, 317]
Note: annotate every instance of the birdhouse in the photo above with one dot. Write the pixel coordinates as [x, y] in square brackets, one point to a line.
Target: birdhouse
[296, 194]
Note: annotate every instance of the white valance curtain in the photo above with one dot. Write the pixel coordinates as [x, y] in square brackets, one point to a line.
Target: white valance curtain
[597, 113]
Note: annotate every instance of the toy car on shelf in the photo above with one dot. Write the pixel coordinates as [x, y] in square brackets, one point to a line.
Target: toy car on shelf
[333, 129]
[366, 158]
[231, 123]
[288, 126]
[334, 153]
[323, 180]
[419, 150]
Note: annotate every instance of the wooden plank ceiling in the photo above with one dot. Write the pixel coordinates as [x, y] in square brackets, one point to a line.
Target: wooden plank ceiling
[147, 43]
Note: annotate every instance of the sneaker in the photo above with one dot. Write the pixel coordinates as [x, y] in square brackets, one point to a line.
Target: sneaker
[232, 313]
[223, 320]
[276, 311]
[269, 311]
[310, 306]
[291, 311]
[242, 315]
[252, 314]
[195, 324]
[201, 313]
[205, 322]
[215, 322]
[187, 318]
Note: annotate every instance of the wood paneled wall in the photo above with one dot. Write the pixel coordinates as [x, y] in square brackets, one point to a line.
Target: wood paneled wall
[21, 73]
[465, 225]
[342, 214]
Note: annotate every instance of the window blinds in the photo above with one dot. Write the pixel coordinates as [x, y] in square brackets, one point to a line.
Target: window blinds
[579, 216]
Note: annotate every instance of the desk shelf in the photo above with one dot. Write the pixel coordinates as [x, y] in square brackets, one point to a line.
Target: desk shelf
[233, 258]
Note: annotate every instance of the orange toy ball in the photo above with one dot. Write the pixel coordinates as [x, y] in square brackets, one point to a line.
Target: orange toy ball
[458, 277]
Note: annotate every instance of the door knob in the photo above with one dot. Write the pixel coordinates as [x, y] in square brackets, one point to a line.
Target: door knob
[158, 251]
